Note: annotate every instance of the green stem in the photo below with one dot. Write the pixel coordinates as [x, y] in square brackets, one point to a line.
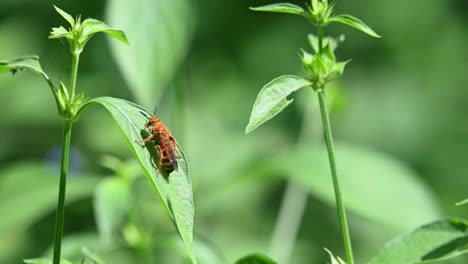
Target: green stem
[74, 73]
[61, 198]
[64, 165]
[320, 38]
[331, 157]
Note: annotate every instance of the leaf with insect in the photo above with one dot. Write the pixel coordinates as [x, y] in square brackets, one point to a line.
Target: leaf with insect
[436, 242]
[174, 190]
[272, 99]
[255, 259]
[355, 23]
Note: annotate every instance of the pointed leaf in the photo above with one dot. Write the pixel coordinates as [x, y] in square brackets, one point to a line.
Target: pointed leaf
[435, 242]
[45, 261]
[160, 32]
[65, 15]
[281, 8]
[335, 260]
[60, 32]
[255, 259]
[355, 23]
[93, 26]
[29, 63]
[462, 202]
[174, 190]
[272, 99]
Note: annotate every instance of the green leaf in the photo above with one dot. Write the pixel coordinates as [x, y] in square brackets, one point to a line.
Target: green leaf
[91, 256]
[161, 32]
[435, 242]
[327, 41]
[365, 175]
[272, 99]
[60, 32]
[45, 261]
[93, 26]
[31, 188]
[175, 190]
[287, 8]
[111, 204]
[28, 63]
[333, 259]
[355, 23]
[462, 202]
[65, 15]
[255, 259]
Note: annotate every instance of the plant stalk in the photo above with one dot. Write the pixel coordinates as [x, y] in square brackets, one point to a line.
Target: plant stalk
[62, 187]
[74, 73]
[331, 157]
[59, 222]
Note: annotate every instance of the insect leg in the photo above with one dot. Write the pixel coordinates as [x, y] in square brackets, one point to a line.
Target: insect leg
[160, 156]
[142, 142]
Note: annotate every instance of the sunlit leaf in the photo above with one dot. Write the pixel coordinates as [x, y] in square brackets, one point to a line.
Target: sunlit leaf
[281, 8]
[160, 32]
[272, 99]
[66, 16]
[355, 23]
[433, 243]
[255, 259]
[45, 261]
[93, 26]
[175, 189]
[111, 203]
[364, 175]
[333, 259]
[31, 189]
[462, 202]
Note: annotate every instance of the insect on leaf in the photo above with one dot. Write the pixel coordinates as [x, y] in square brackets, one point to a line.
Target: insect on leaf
[355, 23]
[255, 259]
[435, 242]
[281, 8]
[174, 190]
[272, 99]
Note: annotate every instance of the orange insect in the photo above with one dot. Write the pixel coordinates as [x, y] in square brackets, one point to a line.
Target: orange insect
[165, 144]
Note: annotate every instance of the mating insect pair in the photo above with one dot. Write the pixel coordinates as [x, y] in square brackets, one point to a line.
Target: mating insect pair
[164, 142]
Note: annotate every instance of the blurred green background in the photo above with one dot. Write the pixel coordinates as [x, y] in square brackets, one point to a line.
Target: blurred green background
[399, 119]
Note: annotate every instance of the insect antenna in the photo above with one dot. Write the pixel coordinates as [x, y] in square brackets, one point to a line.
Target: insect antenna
[145, 114]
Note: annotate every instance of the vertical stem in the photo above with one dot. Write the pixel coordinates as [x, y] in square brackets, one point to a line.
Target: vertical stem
[73, 75]
[61, 198]
[320, 38]
[331, 157]
[64, 164]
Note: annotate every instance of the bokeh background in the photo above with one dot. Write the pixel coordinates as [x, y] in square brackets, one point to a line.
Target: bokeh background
[398, 114]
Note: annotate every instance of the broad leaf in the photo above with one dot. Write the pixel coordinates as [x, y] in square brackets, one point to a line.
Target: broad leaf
[45, 261]
[432, 243]
[111, 203]
[333, 259]
[355, 23]
[29, 63]
[272, 99]
[255, 259]
[160, 32]
[31, 189]
[93, 26]
[175, 189]
[367, 180]
[281, 8]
